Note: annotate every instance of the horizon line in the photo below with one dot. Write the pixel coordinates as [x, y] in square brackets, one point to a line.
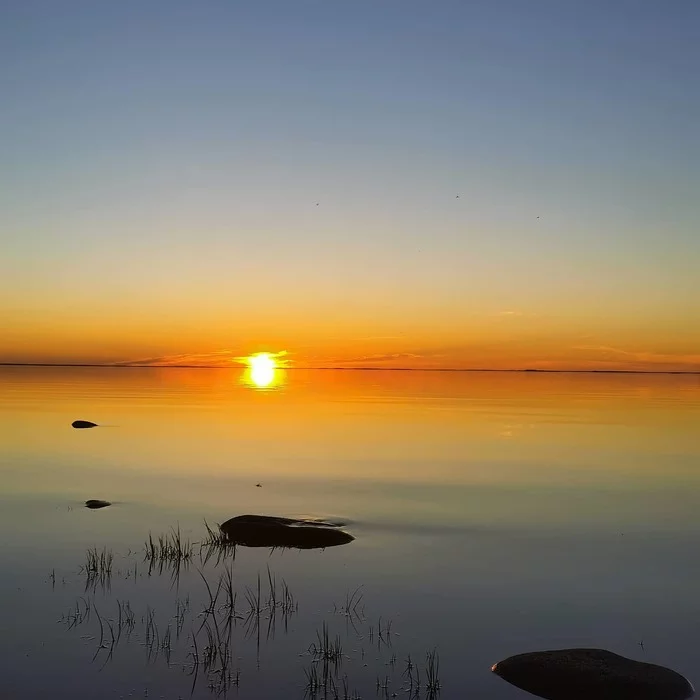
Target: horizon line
[358, 369]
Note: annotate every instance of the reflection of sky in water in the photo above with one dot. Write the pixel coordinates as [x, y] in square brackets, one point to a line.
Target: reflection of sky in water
[576, 527]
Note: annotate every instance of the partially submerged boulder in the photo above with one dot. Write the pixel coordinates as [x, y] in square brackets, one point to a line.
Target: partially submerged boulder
[83, 424]
[96, 503]
[270, 531]
[583, 674]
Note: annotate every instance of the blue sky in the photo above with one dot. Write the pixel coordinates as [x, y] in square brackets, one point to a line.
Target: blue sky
[171, 154]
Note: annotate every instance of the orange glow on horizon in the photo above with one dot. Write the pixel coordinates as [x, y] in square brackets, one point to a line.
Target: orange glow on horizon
[506, 340]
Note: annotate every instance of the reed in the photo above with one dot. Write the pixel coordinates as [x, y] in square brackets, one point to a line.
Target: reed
[326, 648]
[170, 547]
[432, 672]
[97, 566]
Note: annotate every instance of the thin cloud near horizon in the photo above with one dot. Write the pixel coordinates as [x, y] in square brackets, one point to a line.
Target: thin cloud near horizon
[598, 357]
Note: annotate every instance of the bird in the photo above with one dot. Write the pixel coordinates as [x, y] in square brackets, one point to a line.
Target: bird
[258, 486]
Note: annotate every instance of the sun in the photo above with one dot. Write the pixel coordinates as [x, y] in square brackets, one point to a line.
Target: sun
[262, 362]
[262, 369]
[265, 370]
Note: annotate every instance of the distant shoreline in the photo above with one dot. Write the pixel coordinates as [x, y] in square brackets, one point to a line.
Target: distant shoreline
[365, 369]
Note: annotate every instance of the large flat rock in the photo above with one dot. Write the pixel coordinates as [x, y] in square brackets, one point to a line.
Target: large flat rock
[271, 531]
[591, 674]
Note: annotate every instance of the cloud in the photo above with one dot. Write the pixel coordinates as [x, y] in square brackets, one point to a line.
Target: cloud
[276, 356]
[381, 337]
[386, 357]
[410, 359]
[217, 358]
[643, 358]
[516, 314]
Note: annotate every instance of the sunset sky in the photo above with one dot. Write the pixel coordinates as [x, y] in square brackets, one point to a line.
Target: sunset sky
[389, 183]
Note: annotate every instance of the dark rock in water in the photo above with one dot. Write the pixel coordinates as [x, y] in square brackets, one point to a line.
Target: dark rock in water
[269, 531]
[583, 674]
[83, 424]
[96, 503]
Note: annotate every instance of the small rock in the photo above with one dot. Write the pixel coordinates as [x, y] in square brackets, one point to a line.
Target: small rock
[83, 424]
[582, 674]
[96, 503]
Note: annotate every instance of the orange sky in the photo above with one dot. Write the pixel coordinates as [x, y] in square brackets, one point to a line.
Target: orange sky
[508, 339]
[460, 193]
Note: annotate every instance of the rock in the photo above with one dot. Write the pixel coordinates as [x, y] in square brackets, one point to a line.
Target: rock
[83, 424]
[96, 503]
[583, 674]
[269, 531]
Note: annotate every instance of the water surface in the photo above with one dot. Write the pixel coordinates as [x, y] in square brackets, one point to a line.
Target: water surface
[494, 513]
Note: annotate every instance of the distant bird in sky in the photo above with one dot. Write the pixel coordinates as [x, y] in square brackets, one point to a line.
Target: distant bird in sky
[258, 486]
[457, 197]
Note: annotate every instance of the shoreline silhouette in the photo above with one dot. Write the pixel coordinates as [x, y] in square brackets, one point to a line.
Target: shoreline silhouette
[528, 370]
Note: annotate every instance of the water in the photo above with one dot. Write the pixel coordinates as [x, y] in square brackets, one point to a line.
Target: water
[494, 513]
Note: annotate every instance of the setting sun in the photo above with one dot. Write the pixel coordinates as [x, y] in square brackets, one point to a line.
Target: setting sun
[262, 362]
[262, 369]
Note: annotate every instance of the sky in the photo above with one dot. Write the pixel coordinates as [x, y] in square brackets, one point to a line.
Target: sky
[387, 183]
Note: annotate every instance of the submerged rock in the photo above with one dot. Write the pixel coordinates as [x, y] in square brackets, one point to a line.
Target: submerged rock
[582, 674]
[96, 503]
[270, 531]
[83, 424]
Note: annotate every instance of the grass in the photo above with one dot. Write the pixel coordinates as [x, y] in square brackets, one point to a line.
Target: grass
[408, 673]
[313, 681]
[126, 619]
[326, 684]
[215, 545]
[170, 552]
[98, 562]
[432, 673]
[253, 597]
[229, 592]
[353, 600]
[152, 635]
[77, 615]
[384, 632]
[223, 609]
[216, 658]
[326, 648]
[214, 537]
[352, 609]
[171, 547]
[231, 611]
[98, 567]
[182, 608]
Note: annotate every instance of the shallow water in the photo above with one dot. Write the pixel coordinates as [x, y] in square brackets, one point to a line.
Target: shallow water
[494, 513]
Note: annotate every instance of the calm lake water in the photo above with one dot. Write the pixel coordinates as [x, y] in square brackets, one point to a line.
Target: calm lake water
[494, 513]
